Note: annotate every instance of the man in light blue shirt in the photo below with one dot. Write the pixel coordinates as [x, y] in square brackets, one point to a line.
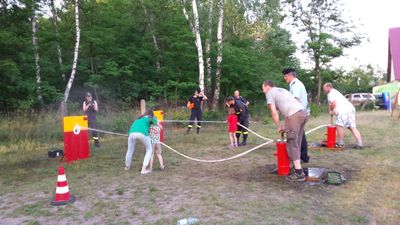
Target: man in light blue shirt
[299, 92]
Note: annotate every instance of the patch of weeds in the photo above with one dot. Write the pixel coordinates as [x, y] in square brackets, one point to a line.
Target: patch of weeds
[120, 191]
[35, 209]
[153, 189]
[359, 219]
[134, 212]
[32, 222]
[321, 219]
[88, 215]
[181, 209]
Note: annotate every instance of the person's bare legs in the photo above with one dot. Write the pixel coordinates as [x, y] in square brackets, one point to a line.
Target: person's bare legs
[340, 134]
[357, 135]
[157, 149]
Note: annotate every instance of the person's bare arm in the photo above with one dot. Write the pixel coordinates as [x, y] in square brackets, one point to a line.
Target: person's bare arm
[275, 117]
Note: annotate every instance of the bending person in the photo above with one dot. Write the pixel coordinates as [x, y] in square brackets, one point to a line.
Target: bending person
[345, 115]
[295, 117]
[140, 131]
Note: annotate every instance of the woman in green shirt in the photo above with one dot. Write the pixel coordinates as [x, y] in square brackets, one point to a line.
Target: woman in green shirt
[140, 131]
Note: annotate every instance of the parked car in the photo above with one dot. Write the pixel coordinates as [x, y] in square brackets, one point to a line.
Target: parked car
[359, 98]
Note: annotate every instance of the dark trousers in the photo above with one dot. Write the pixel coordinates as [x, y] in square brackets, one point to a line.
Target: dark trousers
[304, 149]
[92, 124]
[241, 130]
[195, 114]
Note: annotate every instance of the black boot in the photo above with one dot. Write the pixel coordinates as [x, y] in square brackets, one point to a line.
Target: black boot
[188, 131]
[97, 143]
[198, 130]
[244, 140]
[237, 138]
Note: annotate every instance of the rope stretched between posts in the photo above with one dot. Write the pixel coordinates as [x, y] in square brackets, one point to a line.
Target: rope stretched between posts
[211, 160]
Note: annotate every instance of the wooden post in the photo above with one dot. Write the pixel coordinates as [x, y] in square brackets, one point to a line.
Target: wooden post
[142, 106]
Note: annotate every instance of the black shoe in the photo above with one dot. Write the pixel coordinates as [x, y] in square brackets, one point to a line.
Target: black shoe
[97, 143]
[339, 145]
[274, 170]
[358, 147]
[296, 177]
[243, 143]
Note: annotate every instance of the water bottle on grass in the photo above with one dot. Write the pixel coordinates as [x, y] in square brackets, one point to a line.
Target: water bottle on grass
[187, 221]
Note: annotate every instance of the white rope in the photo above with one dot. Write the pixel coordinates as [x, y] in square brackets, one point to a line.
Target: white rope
[217, 160]
[188, 121]
[312, 130]
[213, 160]
[267, 139]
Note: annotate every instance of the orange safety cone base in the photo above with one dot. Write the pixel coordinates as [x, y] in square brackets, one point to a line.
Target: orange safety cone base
[71, 200]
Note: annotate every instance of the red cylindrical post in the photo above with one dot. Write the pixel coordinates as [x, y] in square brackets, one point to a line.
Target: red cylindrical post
[331, 136]
[282, 158]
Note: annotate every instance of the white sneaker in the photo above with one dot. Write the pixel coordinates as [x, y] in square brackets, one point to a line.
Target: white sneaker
[145, 172]
[126, 168]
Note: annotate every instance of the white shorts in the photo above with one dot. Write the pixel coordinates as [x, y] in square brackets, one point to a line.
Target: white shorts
[346, 119]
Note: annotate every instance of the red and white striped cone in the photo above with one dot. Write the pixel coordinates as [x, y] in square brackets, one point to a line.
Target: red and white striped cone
[62, 196]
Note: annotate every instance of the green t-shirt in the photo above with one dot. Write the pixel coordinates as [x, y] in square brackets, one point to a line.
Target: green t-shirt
[142, 125]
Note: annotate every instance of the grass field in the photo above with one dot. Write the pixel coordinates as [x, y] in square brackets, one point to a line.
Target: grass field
[239, 191]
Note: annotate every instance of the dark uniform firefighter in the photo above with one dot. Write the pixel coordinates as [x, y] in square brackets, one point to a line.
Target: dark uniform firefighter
[90, 109]
[194, 104]
[243, 118]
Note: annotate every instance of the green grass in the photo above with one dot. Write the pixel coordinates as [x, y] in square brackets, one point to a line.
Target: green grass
[240, 191]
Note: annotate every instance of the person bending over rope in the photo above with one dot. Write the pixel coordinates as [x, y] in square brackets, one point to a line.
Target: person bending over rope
[140, 131]
[279, 99]
[243, 117]
[194, 104]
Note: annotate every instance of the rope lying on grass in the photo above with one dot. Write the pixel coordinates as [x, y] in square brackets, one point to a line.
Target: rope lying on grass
[212, 160]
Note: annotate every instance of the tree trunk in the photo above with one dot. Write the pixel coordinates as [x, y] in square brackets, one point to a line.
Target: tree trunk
[55, 23]
[198, 44]
[208, 48]
[36, 52]
[76, 51]
[219, 55]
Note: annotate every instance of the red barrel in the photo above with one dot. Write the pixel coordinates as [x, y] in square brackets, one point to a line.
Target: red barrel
[331, 137]
[282, 158]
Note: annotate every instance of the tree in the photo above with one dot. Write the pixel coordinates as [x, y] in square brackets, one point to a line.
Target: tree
[35, 45]
[75, 60]
[327, 32]
[219, 55]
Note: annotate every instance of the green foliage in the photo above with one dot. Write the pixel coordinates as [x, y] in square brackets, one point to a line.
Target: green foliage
[316, 110]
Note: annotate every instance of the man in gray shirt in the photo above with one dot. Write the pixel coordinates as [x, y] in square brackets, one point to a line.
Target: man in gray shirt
[279, 99]
[299, 92]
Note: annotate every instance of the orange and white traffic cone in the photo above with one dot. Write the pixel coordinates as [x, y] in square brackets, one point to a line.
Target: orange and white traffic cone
[62, 196]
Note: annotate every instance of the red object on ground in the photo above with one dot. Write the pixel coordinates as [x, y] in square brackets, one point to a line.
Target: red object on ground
[282, 158]
[331, 136]
[62, 196]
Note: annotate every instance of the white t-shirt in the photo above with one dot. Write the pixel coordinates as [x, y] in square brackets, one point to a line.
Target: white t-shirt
[342, 104]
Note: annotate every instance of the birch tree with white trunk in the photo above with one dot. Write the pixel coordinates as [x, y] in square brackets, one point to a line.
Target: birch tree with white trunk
[196, 32]
[208, 47]
[219, 55]
[35, 45]
[57, 32]
[75, 60]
